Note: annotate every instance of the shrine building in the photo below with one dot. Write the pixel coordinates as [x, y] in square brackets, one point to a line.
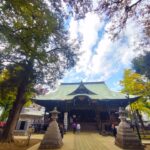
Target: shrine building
[92, 104]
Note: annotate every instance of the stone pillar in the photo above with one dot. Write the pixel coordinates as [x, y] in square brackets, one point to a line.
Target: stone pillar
[52, 138]
[66, 121]
[126, 138]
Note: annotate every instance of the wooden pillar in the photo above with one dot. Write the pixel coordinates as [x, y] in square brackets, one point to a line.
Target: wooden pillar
[66, 121]
[100, 123]
[97, 112]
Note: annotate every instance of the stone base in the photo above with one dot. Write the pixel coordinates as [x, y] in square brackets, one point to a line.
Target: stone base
[127, 144]
[127, 139]
[45, 146]
[52, 138]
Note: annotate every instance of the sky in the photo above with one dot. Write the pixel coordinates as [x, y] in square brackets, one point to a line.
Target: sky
[100, 58]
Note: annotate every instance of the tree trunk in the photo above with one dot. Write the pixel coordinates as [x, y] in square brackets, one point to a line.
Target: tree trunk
[140, 119]
[14, 113]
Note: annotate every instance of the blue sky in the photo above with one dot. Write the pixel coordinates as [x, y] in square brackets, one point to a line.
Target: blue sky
[101, 59]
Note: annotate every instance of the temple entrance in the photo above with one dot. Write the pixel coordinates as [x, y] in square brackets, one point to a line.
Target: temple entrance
[80, 116]
[86, 118]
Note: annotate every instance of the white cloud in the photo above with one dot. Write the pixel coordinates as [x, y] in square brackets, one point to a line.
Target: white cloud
[87, 31]
[73, 29]
[107, 57]
[111, 56]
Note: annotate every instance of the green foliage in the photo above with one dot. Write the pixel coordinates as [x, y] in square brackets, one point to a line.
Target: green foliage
[35, 39]
[8, 91]
[141, 64]
[143, 105]
[135, 84]
[132, 83]
[36, 49]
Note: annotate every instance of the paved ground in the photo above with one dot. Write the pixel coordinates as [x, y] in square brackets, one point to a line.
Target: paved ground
[85, 141]
[93, 141]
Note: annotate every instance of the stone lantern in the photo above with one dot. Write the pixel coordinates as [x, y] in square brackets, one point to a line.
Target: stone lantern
[52, 138]
[126, 137]
[54, 114]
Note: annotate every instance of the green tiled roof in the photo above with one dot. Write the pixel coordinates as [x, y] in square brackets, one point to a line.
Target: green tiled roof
[100, 90]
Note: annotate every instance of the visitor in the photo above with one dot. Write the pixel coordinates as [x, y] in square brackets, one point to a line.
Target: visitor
[114, 130]
[78, 128]
[74, 126]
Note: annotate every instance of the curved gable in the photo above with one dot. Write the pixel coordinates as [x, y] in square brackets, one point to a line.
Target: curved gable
[81, 89]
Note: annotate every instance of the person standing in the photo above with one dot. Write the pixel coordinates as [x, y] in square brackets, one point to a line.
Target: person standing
[114, 130]
[78, 127]
[74, 126]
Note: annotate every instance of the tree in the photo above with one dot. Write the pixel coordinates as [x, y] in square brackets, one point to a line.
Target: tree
[135, 84]
[117, 13]
[141, 64]
[7, 96]
[36, 50]
[8, 93]
[41, 90]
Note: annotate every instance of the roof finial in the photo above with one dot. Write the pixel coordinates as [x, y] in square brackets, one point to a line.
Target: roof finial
[55, 111]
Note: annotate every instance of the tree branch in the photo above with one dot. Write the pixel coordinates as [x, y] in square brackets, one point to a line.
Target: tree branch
[128, 8]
